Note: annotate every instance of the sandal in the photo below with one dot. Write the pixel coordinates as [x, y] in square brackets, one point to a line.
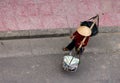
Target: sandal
[65, 49]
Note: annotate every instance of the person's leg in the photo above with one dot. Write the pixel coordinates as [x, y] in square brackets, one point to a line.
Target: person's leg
[70, 46]
[80, 51]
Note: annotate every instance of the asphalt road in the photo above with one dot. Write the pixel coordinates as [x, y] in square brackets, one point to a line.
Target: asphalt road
[39, 60]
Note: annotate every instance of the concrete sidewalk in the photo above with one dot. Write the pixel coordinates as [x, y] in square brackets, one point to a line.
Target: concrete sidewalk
[39, 60]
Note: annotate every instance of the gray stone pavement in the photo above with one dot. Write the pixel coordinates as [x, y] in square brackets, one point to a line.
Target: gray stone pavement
[39, 60]
[21, 34]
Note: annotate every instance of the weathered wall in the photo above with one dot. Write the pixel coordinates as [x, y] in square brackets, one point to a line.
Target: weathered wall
[49, 14]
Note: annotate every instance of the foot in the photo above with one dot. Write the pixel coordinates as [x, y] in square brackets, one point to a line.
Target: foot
[65, 49]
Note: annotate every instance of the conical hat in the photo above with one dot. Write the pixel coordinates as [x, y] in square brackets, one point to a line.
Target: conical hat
[84, 31]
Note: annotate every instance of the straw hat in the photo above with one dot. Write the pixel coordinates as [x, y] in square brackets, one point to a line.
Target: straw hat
[84, 30]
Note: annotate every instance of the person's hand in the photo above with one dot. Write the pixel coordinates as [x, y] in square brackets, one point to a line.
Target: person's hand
[72, 37]
[82, 43]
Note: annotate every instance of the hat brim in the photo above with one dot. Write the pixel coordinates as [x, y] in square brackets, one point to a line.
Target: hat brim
[84, 31]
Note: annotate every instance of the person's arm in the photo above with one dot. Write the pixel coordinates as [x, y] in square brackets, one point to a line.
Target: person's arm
[73, 35]
[86, 41]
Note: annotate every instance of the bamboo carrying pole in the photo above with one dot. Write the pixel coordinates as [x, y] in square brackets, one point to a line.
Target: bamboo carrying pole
[86, 37]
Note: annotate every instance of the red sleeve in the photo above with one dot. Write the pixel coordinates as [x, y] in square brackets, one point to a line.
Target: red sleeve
[86, 41]
[75, 33]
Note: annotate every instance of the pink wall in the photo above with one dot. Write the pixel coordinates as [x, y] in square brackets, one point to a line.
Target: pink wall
[49, 14]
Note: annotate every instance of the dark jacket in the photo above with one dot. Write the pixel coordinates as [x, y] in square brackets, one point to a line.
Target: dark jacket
[88, 24]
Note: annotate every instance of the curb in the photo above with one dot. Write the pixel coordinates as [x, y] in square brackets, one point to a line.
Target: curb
[22, 34]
